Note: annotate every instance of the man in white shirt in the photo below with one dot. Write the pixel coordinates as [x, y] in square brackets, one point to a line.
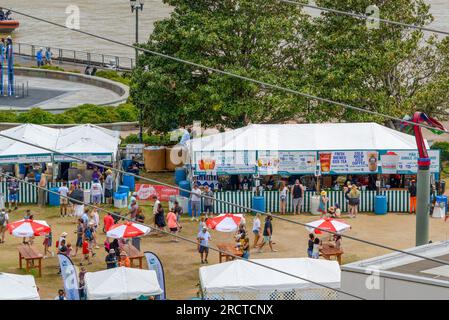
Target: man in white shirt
[195, 202]
[155, 206]
[63, 201]
[96, 191]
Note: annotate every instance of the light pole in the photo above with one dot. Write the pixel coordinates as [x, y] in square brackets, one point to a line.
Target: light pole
[136, 6]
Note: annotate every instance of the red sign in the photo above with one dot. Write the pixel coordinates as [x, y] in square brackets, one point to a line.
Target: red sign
[145, 192]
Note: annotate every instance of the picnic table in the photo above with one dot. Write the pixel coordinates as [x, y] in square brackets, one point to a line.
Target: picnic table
[230, 249]
[133, 254]
[30, 255]
[327, 251]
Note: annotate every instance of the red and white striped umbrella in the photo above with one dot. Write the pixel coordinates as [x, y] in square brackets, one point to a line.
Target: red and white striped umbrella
[225, 222]
[328, 224]
[127, 230]
[28, 228]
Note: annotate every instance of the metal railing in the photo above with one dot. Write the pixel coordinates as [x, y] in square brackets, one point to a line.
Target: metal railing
[61, 55]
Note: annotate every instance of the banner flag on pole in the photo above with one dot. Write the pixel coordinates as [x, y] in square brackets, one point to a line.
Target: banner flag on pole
[69, 277]
[154, 263]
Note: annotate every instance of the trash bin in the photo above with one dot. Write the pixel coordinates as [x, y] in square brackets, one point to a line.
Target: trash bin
[126, 163]
[53, 198]
[87, 196]
[259, 204]
[123, 189]
[180, 175]
[120, 200]
[129, 181]
[184, 185]
[380, 205]
[314, 205]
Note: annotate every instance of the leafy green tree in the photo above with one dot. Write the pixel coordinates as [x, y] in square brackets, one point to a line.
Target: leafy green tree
[256, 38]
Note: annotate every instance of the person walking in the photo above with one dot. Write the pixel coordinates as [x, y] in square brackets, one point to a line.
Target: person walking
[267, 234]
[208, 201]
[195, 202]
[108, 221]
[323, 203]
[310, 245]
[108, 186]
[79, 236]
[283, 191]
[42, 193]
[155, 208]
[160, 217]
[63, 200]
[354, 201]
[40, 58]
[203, 244]
[412, 192]
[4, 220]
[297, 196]
[173, 223]
[47, 244]
[96, 191]
[316, 248]
[48, 56]
[13, 188]
[256, 229]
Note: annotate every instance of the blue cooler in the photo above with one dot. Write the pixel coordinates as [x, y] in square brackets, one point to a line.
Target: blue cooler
[123, 189]
[120, 200]
[258, 204]
[180, 175]
[53, 198]
[126, 164]
[129, 181]
[380, 205]
[184, 185]
[442, 199]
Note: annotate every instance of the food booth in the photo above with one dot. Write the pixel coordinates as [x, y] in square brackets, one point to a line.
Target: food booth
[324, 156]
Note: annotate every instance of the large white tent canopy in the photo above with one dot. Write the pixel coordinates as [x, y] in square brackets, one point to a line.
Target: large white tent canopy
[239, 276]
[84, 141]
[121, 284]
[306, 137]
[18, 287]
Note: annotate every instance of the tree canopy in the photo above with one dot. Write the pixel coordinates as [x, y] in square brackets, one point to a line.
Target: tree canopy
[390, 69]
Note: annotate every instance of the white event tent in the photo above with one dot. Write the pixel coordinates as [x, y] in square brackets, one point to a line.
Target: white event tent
[89, 142]
[18, 287]
[239, 279]
[121, 284]
[306, 137]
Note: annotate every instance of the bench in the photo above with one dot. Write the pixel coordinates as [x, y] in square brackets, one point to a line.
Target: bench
[133, 254]
[30, 255]
[328, 251]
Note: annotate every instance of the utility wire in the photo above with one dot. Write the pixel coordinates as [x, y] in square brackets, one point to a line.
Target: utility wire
[230, 74]
[365, 17]
[223, 201]
[273, 86]
[188, 240]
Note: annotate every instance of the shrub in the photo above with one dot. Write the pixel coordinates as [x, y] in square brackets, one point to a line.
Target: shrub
[36, 116]
[114, 76]
[444, 147]
[150, 139]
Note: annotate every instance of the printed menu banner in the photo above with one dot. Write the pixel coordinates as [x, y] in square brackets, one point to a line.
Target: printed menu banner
[225, 162]
[145, 192]
[286, 162]
[348, 162]
[406, 162]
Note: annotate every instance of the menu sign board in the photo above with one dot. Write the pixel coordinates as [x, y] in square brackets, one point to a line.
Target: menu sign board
[286, 162]
[348, 162]
[406, 162]
[225, 162]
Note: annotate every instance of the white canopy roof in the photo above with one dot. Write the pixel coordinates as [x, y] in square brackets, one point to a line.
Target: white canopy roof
[241, 276]
[17, 287]
[306, 137]
[121, 284]
[80, 140]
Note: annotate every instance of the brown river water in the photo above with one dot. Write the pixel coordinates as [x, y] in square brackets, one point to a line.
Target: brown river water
[113, 19]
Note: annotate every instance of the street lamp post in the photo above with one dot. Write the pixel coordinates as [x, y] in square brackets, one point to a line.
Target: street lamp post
[136, 6]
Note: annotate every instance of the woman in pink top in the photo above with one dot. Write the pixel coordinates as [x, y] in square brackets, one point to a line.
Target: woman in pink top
[173, 224]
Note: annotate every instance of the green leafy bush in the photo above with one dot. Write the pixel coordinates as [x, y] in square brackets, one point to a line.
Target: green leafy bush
[150, 139]
[114, 76]
[444, 147]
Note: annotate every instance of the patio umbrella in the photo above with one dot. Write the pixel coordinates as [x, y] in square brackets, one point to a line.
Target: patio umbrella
[225, 222]
[28, 228]
[127, 230]
[329, 224]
